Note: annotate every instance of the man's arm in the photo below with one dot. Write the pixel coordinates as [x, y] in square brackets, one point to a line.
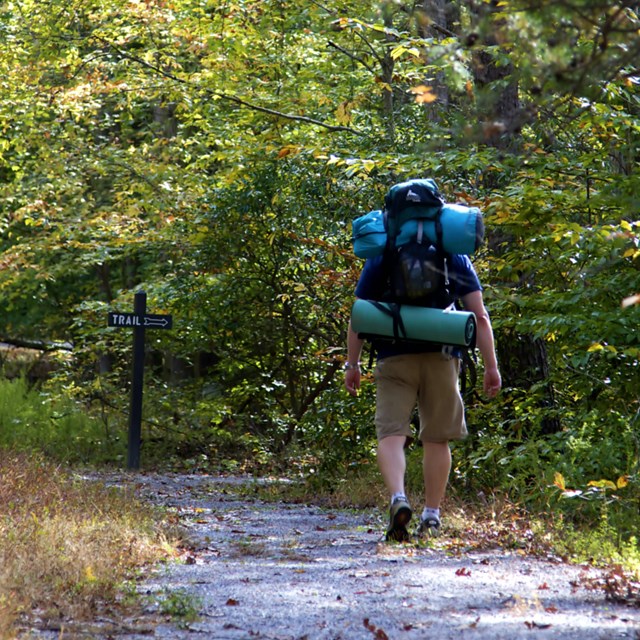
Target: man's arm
[492, 381]
[354, 349]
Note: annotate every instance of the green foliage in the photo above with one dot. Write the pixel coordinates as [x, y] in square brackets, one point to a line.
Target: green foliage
[214, 156]
[181, 606]
[32, 420]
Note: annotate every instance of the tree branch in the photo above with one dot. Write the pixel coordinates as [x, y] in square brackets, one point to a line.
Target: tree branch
[38, 345]
[351, 55]
[225, 96]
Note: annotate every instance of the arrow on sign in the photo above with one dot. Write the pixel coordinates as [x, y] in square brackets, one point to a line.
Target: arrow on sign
[157, 322]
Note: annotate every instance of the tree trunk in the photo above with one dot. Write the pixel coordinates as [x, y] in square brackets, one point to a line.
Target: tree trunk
[523, 358]
[436, 24]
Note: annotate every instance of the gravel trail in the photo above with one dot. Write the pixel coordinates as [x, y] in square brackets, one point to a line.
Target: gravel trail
[281, 571]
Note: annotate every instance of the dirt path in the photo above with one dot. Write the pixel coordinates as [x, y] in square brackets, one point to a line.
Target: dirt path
[294, 572]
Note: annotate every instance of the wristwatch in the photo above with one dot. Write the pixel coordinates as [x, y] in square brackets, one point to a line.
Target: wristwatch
[348, 367]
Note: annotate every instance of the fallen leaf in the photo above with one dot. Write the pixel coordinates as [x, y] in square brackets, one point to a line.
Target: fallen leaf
[537, 625]
[231, 602]
[542, 586]
[463, 572]
[378, 633]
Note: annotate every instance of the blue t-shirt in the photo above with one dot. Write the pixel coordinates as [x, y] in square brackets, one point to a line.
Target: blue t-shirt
[371, 286]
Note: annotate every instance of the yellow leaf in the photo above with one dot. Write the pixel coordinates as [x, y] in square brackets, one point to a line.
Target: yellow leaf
[622, 482]
[397, 52]
[469, 88]
[558, 480]
[602, 484]
[343, 112]
[595, 347]
[369, 165]
[424, 94]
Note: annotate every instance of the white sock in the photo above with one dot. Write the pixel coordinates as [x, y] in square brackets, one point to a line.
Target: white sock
[398, 495]
[431, 513]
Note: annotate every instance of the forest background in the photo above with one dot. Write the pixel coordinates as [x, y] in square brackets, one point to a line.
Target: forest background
[214, 154]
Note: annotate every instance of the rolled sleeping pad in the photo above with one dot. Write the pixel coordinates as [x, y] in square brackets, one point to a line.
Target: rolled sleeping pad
[462, 230]
[421, 324]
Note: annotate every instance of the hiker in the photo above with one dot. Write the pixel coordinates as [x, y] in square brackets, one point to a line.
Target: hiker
[410, 372]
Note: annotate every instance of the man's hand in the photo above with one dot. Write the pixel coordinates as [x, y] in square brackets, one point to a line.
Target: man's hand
[492, 382]
[352, 381]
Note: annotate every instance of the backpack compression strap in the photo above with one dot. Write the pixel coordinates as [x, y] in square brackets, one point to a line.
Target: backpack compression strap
[442, 256]
[392, 309]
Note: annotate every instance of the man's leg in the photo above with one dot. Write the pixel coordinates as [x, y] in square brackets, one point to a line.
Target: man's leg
[397, 381]
[441, 420]
[436, 466]
[392, 463]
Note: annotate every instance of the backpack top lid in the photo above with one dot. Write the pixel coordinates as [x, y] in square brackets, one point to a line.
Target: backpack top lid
[413, 193]
[417, 198]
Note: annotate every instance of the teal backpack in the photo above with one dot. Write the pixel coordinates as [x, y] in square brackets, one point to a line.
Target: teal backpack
[410, 206]
[416, 233]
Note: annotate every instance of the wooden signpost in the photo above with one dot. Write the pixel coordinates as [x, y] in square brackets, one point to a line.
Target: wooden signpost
[139, 321]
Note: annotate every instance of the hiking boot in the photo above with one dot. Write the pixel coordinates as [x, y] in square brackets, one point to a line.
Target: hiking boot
[399, 517]
[429, 528]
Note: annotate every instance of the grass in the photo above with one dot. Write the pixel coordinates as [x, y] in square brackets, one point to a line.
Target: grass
[31, 419]
[67, 546]
[181, 606]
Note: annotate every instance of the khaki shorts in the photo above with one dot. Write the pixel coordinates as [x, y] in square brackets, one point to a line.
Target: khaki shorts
[431, 380]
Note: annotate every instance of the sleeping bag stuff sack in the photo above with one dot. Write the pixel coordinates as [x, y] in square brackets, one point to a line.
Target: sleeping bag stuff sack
[462, 229]
[371, 319]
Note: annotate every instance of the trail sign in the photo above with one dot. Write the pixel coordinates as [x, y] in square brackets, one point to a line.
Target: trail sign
[148, 320]
[139, 320]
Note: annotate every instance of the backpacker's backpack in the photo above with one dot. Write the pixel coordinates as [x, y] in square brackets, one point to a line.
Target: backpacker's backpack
[415, 201]
[416, 233]
[416, 270]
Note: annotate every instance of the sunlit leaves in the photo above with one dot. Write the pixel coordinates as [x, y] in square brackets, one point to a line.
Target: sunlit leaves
[152, 144]
[593, 487]
[424, 94]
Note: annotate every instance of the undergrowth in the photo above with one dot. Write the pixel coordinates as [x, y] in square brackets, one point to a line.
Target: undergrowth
[33, 420]
[66, 545]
